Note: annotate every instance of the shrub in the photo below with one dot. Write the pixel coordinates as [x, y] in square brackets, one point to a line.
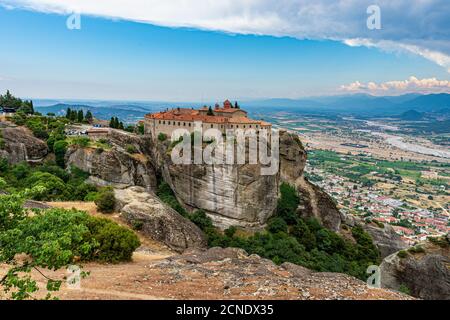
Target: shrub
[277, 224]
[106, 201]
[137, 224]
[2, 141]
[230, 231]
[115, 243]
[4, 164]
[130, 148]
[81, 142]
[162, 136]
[404, 289]
[416, 249]
[402, 254]
[54, 186]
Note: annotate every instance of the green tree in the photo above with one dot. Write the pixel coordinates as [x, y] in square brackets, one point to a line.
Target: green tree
[89, 117]
[80, 116]
[60, 148]
[210, 111]
[68, 113]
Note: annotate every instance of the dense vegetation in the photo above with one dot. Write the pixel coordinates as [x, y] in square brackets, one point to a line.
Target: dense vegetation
[53, 239]
[59, 184]
[289, 238]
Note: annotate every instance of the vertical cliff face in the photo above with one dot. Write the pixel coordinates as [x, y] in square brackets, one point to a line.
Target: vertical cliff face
[231, 194]
[314, 203]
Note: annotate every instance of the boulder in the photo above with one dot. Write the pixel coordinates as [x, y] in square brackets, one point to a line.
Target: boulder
[153, 218]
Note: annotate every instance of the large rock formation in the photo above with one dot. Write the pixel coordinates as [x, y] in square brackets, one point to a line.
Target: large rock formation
[423, 270]
[230, 194]
[20, 145]
[314, 203]
[116, 166]
[385, 238]
[155, 219]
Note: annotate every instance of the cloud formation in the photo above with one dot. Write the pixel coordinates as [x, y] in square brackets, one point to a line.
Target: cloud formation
[415, 26]
[411, 85]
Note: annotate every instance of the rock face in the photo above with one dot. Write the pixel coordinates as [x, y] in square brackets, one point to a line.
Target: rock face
[314, 202]
[424, 272]
[231, 273]
[385, 238]
[230, 194]
[116, 166]
[21, 145]
[147, 213]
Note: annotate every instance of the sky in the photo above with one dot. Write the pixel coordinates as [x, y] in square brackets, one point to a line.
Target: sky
[204, 50]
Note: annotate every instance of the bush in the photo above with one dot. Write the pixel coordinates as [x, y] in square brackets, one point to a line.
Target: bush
[130, 148]
[277, 224]
[162, 136]
[230, 231]
[416, 249]
[54, 186]
[402, 254]
[106, 201]
[115, 243]
[81, 142]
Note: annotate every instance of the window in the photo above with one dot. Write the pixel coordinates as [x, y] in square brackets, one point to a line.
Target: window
[189, 124]
[178, 123]
[250, 126]
[211, 125]
[164, 122]
[244, 126]
[184, 124]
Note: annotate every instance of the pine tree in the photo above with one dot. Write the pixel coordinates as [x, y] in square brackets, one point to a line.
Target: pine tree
[88, 116]
[121, 125]
[68, 113]
[111, 122]
[210, 111]
[80, 116]
[236, 105]
[116, 123]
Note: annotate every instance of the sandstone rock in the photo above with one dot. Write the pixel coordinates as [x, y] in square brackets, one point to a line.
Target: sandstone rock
[113, 167]
[21, 145]
[230, 273]
[385, 238]
[230, 194]
[425, 272]
[157, 220]
[314, 202]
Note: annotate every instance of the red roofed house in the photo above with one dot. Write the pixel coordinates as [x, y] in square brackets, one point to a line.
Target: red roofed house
[222, 118]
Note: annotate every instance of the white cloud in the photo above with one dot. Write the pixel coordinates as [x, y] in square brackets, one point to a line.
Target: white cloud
[411, 85]
[416, 26]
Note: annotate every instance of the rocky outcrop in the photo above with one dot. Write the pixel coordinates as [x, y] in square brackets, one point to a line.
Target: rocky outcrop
[20, 145]
[232, 195]
[147, 213]
[385, 238]
[230, 273]
[423, 270]
[314, 203]
[127, 162]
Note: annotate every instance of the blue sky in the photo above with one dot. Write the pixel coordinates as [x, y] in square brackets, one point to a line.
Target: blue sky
[119, 59]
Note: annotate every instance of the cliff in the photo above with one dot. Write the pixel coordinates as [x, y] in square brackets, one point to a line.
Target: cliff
[20, 145]
[116, 165]
[422, 270]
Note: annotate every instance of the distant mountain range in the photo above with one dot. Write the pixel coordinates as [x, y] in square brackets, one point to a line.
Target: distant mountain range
[357, 105]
